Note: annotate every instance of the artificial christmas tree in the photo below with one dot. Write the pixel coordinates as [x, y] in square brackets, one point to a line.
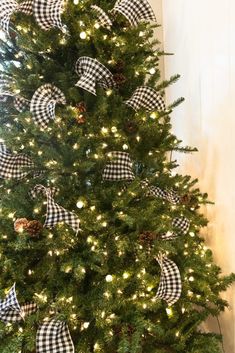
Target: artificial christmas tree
[119, 265]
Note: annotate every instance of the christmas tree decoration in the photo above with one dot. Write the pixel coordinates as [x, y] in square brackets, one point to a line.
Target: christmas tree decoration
[54, 337]
[155, 191]
[48, 14]
[119, 79]
[119, 168]
[55, 213]
[134, 11]
[21, 104]
[34, 228]
[42, 105]
[10, 309]
[182, 224]
[81, 107]
[12, 166]
[26, 7]
[7, 8]
[148, 237]
[170, 285]
[103, 18]
[91, 73]
[147, 98]
[20, 225]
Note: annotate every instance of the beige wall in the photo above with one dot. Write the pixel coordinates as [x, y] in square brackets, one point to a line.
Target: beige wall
[201, 33]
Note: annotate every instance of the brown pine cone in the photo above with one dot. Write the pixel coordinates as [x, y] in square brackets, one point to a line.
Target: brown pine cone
[119, 79]
[81, 107]
[34, 228]
[131, 127]
[119, 66]
[147, 237]
[20, 225]
[81, 119]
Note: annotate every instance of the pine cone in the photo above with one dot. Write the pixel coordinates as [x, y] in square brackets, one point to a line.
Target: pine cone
[131, 127]
[81, 107]
[81, 119]
[20, 225]
[118, 67]
[147, 237]
[119, 79]
[34, 228]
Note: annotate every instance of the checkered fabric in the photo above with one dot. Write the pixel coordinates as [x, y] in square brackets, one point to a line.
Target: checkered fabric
[135, 10]
[182, 224]
[103, 18]
[119, 168]
[9, 306]
[169, 195]
[26, 7]
[92, 72]
[148, 98]
[54, 337]
[168, 236]
[3, 147]
[43, 103]
[170, 285]
[55, 213]
[5, 95]
[11, 165]
[13, 315]
[47, 13]
[21, 104]
[7, 8]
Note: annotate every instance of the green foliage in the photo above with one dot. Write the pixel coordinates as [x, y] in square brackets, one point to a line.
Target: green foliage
[64, 273]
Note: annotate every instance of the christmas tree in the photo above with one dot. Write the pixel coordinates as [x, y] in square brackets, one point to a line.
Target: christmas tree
[100, 242]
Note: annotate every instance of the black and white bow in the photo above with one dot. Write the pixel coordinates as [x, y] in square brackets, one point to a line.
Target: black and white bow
[119, 168]
[134, 10]
[91, 73]
[10, 309]
[103, 18]
[147, 98]
[54, 337]
[170, 285]
[42, 105]
[46, 12]
[180, 226]
[55, 213]
[155, 191]
[12, 165]
[21, 104]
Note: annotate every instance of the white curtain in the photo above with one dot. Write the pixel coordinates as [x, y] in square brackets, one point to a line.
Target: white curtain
[201, 34]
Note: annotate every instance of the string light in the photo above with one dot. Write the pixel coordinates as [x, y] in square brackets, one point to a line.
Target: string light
[152, 71]
[109, 278]
[83, 35]
[80, 204]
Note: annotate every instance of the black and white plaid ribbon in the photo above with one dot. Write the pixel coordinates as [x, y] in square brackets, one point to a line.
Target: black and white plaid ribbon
[170, 285]
[147, 98]
[54, 337]
[11, 165]
[119, 168]
[5, 86]
[103, 18]
[135, 11]
[10, 309]
[55, 213]
[91, 73]
[21, 104]
[155, 191]
[48, 13]
[7, 8]
[180, 226]
[42, 105]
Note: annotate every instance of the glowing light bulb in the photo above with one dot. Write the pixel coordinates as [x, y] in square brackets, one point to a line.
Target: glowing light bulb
[80, 204]
[109, 278]
[125, 275]
[83, 35]
[169, 312]
[152, 71]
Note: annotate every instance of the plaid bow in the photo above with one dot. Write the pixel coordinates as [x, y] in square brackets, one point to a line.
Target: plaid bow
[55, 213]
[134, 10]
[10, 309]
[103, 18]
[119, 168]
[168, 195]
[54, 337]
[21, 104]
[182, 224]
[5, 84]
[43, 103]
[47, 13]
[11, 165]
[92, 72]
[170, 285]
[7, 8]
[146, 97]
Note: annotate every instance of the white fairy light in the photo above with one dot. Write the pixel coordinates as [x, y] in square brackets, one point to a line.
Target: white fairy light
[83, 35]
